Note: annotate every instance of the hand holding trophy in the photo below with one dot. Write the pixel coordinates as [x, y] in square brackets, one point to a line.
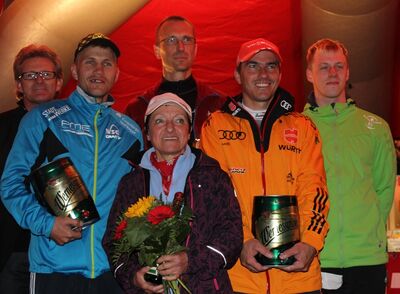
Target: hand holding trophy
[59, 187]
[276, 226]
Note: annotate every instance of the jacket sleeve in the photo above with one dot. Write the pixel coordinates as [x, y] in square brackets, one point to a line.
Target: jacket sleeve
[222, 218]
[384, 170]
[312, 190]
[126, 266]
[20, 202]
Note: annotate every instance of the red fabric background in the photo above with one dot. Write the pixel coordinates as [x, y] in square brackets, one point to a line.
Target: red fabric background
[221, 27]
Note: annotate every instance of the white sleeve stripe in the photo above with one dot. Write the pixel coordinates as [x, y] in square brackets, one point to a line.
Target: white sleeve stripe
[117, 268]
[219, 252]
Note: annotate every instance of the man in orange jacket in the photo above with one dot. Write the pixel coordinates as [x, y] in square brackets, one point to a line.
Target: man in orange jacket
[269, 150]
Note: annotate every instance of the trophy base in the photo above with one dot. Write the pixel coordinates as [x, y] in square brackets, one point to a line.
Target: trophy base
[276, 261]
[85, 212]
[152, 276]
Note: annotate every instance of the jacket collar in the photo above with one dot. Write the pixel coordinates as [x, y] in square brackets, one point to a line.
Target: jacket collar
[91, 100]
[283, 102]
[200, 158]
[313, 106]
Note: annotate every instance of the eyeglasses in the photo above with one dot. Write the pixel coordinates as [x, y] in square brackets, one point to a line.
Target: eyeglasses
[33, 75]
[173, 41]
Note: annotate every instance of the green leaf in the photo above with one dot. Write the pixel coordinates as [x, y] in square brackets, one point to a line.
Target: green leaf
[137, 231]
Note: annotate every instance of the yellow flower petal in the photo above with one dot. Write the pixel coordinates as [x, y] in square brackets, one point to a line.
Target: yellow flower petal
[140, 208]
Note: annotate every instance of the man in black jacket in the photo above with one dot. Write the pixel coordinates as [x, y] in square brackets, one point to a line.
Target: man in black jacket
[38, 79]
[176, 47]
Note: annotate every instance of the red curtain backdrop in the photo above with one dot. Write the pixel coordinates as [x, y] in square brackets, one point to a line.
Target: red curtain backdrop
[221, 27]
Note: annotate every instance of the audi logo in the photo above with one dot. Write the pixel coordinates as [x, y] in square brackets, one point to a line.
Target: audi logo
[231, 135]
[286, 105]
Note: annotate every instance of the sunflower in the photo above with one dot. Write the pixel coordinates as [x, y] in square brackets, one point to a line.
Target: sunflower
[141, 207]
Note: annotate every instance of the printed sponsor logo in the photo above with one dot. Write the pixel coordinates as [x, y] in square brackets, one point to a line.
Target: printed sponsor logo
[76, 128]
[112, 132]
[52, 112]
[236, 111]
[290, 135]
[372, 121]
[290, 148]
[290, 178]
[232, 106]
[237, 170]
[231, 135]
[285, 105]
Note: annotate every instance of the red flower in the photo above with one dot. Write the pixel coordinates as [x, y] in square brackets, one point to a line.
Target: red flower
[120, 229]
[160, 213]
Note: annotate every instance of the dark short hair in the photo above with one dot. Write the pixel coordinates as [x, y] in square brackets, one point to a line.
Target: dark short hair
[32, 51]
[325, 45]
[171, 18]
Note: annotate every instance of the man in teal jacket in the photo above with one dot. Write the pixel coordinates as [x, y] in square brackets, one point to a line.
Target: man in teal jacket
[359, 160]
[99, 141]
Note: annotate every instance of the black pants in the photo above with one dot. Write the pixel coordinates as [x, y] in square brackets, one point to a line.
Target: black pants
[14, 277]
[57, 283]
[360, 279]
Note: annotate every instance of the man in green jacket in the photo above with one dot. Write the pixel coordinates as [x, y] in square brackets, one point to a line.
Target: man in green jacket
[360, 166]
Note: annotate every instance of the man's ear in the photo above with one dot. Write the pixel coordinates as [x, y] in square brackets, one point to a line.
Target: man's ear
[116, 76]
[195, 50]
[237, 77]
[157, 51]
[74, 71]
[309, 75]
[59, 84]
[18, 85]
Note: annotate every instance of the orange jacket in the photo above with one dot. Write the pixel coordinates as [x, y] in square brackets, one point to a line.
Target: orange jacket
[284, 158]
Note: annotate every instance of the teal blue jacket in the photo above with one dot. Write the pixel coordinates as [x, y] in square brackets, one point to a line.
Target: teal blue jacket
[99, 141]
[360, 163]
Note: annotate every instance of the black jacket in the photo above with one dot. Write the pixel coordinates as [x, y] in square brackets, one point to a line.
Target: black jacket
[13, 237]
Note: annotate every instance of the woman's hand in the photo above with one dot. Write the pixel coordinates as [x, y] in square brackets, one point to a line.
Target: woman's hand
[140, 282]
[171, 267]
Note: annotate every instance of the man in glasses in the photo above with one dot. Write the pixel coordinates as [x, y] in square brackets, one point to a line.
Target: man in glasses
[65, 258]
[176, 47]
[267, 149]
[38, 78]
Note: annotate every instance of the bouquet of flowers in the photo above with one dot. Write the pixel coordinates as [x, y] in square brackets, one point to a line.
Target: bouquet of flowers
[151, 229]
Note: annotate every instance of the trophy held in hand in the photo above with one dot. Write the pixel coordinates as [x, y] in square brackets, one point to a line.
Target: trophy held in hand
[276, 226]
[59, 187]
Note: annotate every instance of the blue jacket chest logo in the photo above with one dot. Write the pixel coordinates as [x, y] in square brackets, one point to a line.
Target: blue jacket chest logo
[113, 132]
[76, 128]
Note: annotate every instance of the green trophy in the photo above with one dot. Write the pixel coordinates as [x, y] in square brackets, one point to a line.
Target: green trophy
[59, 187]
[276, 226]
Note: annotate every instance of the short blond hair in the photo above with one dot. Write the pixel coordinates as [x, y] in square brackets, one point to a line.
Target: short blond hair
[325, 45]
